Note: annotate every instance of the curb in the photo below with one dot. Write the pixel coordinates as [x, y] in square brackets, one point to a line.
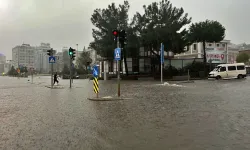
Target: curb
[108, 99]
[54, 87]
[190, 81]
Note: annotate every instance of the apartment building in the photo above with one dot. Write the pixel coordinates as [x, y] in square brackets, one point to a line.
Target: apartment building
[41, 58]
[23, 56]
[2, 59]
[221, 52]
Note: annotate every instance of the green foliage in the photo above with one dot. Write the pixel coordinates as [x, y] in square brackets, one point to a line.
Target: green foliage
[105, 21]
[207, 31]
[242, 58]
[23, 70]
[12, 71]
[83, 62]
[162, 23]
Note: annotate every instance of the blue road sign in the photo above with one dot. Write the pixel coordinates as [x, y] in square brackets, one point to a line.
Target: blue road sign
[95, 71]
[117, 54]
[162, 53]
[52, 59]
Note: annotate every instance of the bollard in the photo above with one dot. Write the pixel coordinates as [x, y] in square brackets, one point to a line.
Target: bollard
[96, 86]
[188, 75]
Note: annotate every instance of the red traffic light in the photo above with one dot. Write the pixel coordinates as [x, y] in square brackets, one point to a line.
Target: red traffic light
[115, 32]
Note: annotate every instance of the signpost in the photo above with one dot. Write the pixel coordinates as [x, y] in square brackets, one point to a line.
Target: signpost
[52, 60]
[95, 80]
[117, 57]
[162, 61]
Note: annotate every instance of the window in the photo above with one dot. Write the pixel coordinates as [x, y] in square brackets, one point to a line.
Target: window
[195, 48]
[222, 69]
[231, 68]
[209, 44]
[240, 67]
[223, 45]
[218, 45]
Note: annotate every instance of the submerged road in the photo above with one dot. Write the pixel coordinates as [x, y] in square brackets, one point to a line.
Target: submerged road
[188, 116]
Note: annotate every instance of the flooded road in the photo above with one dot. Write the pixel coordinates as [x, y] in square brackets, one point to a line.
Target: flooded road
[186, 116]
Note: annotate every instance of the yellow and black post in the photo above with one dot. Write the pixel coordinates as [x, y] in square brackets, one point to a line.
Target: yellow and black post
[96, 86]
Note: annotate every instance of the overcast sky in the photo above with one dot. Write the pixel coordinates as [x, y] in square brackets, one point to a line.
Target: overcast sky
[67, 22]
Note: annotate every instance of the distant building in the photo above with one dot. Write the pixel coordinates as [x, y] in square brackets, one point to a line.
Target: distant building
[221, 52]
[93, 55]
[1, 69]
[2, 58]
[59, 62]
[41, 58]
[23, 56]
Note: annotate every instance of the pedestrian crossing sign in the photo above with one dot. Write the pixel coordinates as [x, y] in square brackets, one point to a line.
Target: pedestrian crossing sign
[52, 59]
[117, 54]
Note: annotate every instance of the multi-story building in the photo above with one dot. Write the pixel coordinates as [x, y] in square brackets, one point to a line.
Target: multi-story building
[215, 52]
[59, 62]
[23, 56]
[42, 59]
[2, 58]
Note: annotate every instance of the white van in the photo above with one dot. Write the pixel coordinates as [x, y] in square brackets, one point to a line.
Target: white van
[229, 71]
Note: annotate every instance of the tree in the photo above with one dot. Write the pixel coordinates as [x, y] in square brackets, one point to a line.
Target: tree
[242, 58]
[206, 31]
[162, 23]
[12, 71]
[105, 21]
[83, 62]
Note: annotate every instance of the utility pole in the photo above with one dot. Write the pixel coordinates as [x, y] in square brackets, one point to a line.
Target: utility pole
[50, 53]
[72, 56]
[70, 72]
[118, 69]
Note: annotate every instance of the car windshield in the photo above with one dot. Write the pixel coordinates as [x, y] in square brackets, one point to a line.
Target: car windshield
[217, 68]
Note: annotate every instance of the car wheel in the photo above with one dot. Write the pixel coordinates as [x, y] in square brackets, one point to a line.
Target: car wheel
[218, 77]
[240, 76]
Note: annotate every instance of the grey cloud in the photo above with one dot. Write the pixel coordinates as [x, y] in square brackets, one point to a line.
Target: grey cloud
[67, 22]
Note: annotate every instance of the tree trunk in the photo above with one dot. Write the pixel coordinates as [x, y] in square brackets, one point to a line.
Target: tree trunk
[125, 61]
[204, 58]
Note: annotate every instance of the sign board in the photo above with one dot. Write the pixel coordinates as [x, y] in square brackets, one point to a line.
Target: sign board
[216, 55]
[95, 71]
[117, 54]
[52, 59]
[162, 53]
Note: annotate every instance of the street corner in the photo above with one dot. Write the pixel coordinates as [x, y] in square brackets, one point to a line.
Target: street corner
[189, 81]
[55, 87]
[108, 98]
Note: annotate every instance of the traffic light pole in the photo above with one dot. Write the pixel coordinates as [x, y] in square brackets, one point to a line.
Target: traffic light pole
[52, 70]
[118, 69]
[70, 70]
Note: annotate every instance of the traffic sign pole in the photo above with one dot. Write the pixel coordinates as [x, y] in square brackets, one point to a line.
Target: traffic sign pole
[70, 70]
[118, 73]
[162, 61]
[52, 70]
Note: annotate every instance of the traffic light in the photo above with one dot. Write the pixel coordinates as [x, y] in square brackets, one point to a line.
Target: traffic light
[73, 54]
[70, 51]
[123, 38]
[116, 34]
[50, 52]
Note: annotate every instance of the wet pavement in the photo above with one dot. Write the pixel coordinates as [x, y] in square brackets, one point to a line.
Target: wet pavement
[189, 116]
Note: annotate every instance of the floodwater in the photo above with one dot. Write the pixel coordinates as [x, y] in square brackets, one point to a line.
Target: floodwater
[187, 116]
